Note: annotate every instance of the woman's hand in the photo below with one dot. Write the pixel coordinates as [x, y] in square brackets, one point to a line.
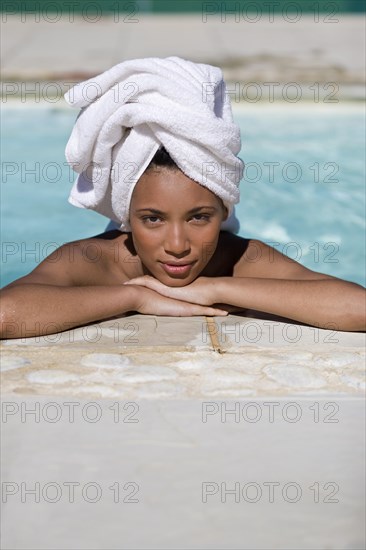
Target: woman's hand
[151, 302]
[203, 291]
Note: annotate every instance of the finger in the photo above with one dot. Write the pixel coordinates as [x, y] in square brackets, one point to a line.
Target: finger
[208, 312]
[137, 281]
[216, 312]
[184, 309]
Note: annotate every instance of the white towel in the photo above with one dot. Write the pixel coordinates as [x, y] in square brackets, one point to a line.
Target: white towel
[131, 110]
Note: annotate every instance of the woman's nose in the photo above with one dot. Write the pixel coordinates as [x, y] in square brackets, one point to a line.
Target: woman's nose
[176, 241]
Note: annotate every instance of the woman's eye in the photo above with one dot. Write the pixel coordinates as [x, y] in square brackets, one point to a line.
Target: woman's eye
[201, 217]
[151, 219]
[154, 220]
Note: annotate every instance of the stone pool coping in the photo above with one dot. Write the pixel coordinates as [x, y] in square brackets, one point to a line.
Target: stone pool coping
[173, 407]
[149, 357]
[245, 51]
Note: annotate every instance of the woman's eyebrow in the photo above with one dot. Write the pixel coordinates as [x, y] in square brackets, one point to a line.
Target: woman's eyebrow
[195, 209]
[213, 208]
[153, 210]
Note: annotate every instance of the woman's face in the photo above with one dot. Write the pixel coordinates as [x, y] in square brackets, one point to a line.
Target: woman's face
[175, 225]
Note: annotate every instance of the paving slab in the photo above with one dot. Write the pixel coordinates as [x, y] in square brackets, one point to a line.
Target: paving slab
[180, 474]
[128, 333]
[162, 357]
[261, 51]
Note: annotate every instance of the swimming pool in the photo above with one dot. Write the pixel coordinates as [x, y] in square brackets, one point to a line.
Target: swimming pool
[303, 191]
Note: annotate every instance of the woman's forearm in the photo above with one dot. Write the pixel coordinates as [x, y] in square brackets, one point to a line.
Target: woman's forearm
[37, 309]
[325, 303]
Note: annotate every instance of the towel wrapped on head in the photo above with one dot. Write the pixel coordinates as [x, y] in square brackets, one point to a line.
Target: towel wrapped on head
[134, 108]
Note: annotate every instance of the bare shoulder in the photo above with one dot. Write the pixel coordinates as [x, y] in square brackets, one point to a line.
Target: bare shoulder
[263, 261]
[98, 260]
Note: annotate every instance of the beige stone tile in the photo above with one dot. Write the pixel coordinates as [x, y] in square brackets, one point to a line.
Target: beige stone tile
[245, 333]
[246, 51]
[154, 374]
[133, 332]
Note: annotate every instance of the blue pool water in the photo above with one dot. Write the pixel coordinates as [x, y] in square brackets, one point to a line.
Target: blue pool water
[303, 190]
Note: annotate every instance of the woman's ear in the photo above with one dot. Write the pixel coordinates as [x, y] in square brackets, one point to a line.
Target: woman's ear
[225, 213]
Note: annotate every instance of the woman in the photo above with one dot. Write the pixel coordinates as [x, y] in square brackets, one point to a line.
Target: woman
[171, 254]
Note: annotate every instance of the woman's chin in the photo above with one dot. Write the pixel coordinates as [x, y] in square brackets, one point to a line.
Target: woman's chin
[175, 281]
[174, 276]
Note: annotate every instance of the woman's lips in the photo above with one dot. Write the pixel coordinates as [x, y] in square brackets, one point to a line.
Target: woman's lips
[177, 269]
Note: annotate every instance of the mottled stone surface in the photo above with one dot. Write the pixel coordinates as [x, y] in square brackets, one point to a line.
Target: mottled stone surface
[263, 50]
[160, 356]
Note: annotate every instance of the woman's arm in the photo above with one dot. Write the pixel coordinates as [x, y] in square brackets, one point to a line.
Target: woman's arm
[266, 280]
[62, 292]
[279, 285]
[38, 309]
[324, 303]
[66, 291]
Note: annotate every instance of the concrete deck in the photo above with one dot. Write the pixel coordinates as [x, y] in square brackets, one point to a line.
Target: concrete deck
[73, 48]
[237, 433]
